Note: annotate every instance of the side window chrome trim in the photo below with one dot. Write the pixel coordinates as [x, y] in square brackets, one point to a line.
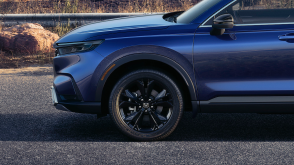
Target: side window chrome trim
[203, 24]
[282, 23]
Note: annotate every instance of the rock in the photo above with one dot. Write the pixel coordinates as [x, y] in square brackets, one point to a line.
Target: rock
[28, 38]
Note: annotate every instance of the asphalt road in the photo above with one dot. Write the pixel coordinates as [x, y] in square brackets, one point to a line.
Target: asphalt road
[32, 131]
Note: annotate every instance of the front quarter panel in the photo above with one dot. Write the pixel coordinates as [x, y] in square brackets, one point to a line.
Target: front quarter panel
[174, 43]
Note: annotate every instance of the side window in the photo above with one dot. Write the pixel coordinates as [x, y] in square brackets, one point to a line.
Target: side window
[260, 11]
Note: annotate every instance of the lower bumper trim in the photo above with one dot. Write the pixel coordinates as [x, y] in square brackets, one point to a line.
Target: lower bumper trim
[61, 107]
[80, 107]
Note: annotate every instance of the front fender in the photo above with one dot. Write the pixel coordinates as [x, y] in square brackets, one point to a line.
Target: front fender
[157, 53]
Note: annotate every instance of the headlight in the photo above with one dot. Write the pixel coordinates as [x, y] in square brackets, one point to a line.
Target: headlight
[66, 48]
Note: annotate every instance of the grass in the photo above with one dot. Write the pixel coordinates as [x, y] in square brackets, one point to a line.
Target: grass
[61, 29]
[90, 6]
[12, 60]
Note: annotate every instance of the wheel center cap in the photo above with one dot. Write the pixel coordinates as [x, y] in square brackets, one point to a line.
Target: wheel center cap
[145, 105]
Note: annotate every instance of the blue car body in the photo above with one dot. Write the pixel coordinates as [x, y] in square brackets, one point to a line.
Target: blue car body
[247, 69]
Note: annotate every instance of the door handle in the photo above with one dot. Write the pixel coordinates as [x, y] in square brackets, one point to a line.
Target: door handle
[289, 36]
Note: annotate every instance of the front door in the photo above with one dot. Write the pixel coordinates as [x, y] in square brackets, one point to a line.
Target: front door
[255, 58]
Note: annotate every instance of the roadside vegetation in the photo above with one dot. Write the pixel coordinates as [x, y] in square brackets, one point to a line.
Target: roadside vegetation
[15, 60]
[93, 6]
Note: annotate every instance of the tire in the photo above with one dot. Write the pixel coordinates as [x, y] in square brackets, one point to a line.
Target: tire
[146, 105]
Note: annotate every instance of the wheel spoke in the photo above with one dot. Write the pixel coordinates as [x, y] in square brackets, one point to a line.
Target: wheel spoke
[158, 117]
[132, 116]
[164, 104]
[160, 95]
[127, 104]
[154, 121]
[150, 88]
[141, 87]
[131, 95]
[136, 123]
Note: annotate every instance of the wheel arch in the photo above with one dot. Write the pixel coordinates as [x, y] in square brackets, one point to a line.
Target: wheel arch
[136, 61]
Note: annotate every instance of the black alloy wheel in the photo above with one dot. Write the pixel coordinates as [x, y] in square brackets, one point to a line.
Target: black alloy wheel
[146, 105]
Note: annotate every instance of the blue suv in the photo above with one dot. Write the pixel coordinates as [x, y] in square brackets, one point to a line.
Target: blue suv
[220, 56]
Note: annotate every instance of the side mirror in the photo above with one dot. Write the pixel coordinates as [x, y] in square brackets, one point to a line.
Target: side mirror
[221, 23]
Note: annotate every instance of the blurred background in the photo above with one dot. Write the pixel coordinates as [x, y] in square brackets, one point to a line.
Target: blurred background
[93, 6]
[28, 28]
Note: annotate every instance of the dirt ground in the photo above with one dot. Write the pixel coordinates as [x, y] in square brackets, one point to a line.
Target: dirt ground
[14, 60]
[33, 69]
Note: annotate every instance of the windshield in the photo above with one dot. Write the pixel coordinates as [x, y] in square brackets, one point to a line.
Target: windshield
[196, 11]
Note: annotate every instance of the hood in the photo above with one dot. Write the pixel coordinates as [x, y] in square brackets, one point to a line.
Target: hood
[119, 25]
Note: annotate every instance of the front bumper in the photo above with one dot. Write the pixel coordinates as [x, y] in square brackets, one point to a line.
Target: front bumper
[79, 107]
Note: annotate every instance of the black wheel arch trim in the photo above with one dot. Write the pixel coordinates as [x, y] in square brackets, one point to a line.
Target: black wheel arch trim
[146, 56]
